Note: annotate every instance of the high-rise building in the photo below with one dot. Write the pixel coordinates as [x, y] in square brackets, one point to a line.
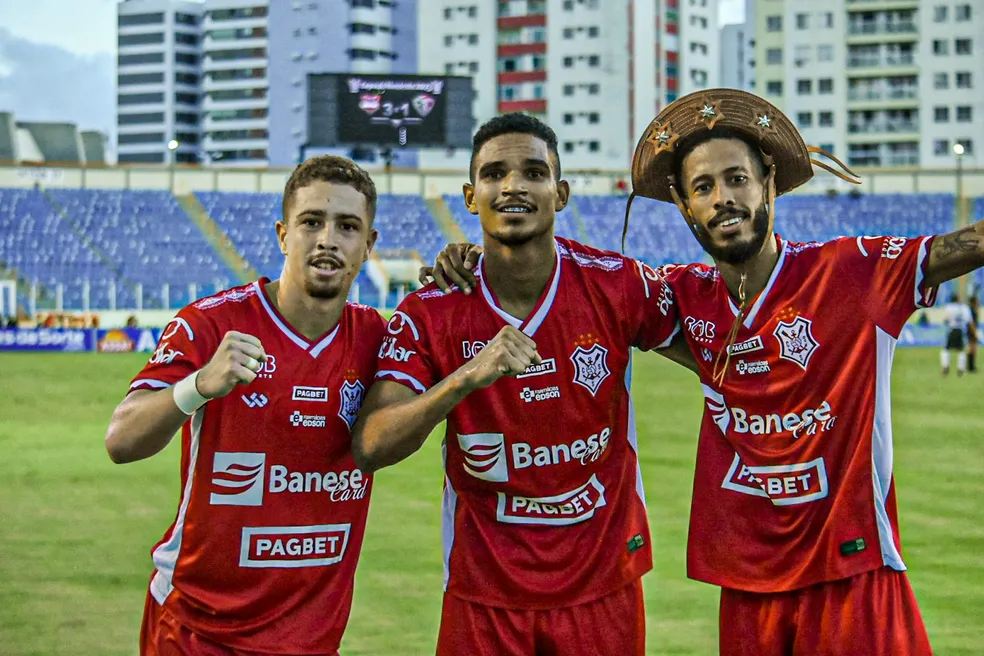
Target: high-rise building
[158, 81]
[332, 36]
[597, 72]
[877, 83]
[738, 52]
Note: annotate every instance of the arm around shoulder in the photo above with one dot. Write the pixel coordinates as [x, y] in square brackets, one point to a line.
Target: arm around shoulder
[955, 254]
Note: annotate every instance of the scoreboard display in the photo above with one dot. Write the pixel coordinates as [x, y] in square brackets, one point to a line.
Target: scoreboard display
[414, 111]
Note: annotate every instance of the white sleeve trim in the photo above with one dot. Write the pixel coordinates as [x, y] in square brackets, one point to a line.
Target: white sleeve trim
[400, 376]
[925, 298]
[149, 382]
[669, 340]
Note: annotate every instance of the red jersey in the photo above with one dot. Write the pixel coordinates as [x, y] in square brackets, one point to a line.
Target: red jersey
[793, 484]
[543, 500]
[263, 552]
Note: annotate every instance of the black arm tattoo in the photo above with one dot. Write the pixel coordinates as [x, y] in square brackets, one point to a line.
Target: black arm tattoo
[962, 241]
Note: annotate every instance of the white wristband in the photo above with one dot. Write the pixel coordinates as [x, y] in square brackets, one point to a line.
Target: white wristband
[186, 395]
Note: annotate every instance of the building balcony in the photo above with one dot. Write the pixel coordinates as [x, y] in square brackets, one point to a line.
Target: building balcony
[516, 77]
[516, 22]
[531, 106]
[875, 5]
[859, 29]
[518, 49]
[861, 94]
[881, 61]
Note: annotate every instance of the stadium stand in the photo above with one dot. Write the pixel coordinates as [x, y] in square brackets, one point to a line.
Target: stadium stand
[148, 239]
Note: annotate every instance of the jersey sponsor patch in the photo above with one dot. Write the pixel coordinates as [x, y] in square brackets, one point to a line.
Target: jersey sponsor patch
[304, 393]
[543, 394]
[572, 507]
[548, 366]
[485, 456]
[293, 546]
[351, 394]
[784, 485]
[237, 479]
[748, 346]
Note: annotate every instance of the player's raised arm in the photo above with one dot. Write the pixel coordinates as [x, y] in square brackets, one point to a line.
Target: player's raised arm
[144, 423]
[395, 420]
[955, 254]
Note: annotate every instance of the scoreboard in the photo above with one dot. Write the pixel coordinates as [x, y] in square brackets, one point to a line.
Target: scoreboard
[414, 111]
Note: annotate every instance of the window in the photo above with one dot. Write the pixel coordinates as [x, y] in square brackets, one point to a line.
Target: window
[136, 119]
[568, 62]
[964, 80]
[802, 55]
[698, 77]
[568, 146]
[593, 32]
[828, 19]
[140, 19]
[941, 114]
[185, 58]
[941, 80]
[447, 13]
[140, 98]
[538, 63]
[941, 146]
[359, 53]
[312, 31]
[141, 158]
[185, 78]
[802, 21]
[568, 119]
[472, 39]
[941, 47]
[965, 114]
[449, 69]
[568, 89]
[594, 89]
[186, 19]
[773, 23]
[448, 40]
[568, 32]
[968, 146]
[827, 121]
[804, 119]
[773, 56]
[147, 58]
[829, 147]
[826, 85]
[773, 88]
[962, 13]
[594, 61]
[804, 87]
[140, 39]
[825, 53]
[472, 67]
[182, 117]
[297, 32]
[594, 117]
[963, 46]
[192, 98]
[594, 146]
[192, 39]
[472, 12]
[939, 13]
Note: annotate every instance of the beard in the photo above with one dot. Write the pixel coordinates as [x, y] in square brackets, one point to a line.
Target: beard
[519, 238]
[742, 251]
[323, 290]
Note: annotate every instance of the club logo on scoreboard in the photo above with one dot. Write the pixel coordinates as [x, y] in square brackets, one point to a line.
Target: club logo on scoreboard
[370, 103]
[423, 103]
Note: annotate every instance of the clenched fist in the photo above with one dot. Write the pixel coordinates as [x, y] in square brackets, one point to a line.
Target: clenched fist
[508, 354]
[236, 362]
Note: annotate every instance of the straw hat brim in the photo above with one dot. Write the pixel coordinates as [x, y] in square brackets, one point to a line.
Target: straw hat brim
[654, 162]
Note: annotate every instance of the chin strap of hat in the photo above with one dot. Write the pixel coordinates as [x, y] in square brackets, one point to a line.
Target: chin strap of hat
[625, 223]
[854, 179]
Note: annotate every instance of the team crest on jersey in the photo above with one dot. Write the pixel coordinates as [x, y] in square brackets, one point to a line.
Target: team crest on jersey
[590, 367]
[350, 393]
[796, 341]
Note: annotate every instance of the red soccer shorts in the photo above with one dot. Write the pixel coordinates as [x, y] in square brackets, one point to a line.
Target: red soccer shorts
[615, 624]
[874, 614]
[161, 635]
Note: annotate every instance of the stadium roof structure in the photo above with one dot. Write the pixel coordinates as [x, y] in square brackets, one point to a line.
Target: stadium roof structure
[39, 142]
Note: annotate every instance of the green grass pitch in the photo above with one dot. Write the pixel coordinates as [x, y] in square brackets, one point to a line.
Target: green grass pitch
[75, 530]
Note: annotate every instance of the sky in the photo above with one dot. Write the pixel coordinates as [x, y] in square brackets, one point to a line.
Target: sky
[57, 59]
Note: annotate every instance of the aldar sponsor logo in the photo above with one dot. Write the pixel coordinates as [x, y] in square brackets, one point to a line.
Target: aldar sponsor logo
[796, 341]
[388, 350]
[485, 456]
[177, 324]
[590, 361]
[293, 546]
[164, 354]
[784, 485]
[573, 507]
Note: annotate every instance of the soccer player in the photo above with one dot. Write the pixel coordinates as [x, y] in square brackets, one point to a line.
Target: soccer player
[958, 321]
[794, 510]
[545, 529]
[265, 381]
